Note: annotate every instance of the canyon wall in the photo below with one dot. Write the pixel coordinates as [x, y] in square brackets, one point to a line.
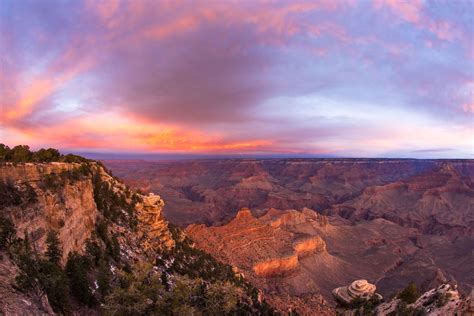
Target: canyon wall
[212, 191]
[67, 207]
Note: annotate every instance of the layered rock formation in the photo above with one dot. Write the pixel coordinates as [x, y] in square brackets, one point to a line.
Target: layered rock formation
[411, 219]
[298, 254]
[437, 203]
[66, 206]
[359, 289]
[211, 191]
[272, 252]
[152, 224]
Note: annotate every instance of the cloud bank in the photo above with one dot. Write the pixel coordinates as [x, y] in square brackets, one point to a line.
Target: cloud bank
[343, 78]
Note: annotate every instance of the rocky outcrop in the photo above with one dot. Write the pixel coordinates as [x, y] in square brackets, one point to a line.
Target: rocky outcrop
[128, 234]
[467, 307]
[359, 289]
[436, 202]
[297, 253]
[309, 245]
[153, 228]
[440, 301]
[276, 267]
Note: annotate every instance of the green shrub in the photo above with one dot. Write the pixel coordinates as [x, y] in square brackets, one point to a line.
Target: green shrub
[51, 182]
[42, 276]
[74, 158]
[10, 195]
[93, 250]
[7, 232]
[140, 293]
[113, 248]
[76, 271]
[54, 252]
[409, 294]
[46, 155]
[21, 153]
[404, 310]
[55, 284]
[442, 299]
[103, 278]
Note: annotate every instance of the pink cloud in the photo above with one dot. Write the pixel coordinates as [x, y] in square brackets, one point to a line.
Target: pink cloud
[27, 96]
[412, 12]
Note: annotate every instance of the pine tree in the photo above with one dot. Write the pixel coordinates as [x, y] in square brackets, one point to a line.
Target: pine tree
[54, 251]
[7, 232]
[76, 271]
[103, 278]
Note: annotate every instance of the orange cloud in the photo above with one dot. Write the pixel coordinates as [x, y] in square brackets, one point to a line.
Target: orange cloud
[118, 131]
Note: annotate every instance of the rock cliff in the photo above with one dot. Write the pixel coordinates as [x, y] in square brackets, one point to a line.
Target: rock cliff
[57, 202]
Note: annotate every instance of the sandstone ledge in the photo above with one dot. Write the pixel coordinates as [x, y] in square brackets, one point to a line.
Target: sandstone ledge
[276, 267]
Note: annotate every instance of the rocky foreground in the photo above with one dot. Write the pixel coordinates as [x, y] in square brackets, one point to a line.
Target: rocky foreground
[76, 240]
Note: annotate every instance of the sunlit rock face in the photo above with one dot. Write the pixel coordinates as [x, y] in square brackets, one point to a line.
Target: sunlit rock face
[276, 267]
[68, 208]
[309, 245]
[293, 253]
[272, 251]
[152, 223]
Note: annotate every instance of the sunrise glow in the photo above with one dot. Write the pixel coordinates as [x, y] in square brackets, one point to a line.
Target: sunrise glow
[382, 78]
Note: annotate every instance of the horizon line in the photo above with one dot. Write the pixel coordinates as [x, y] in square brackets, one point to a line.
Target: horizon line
[188, 156]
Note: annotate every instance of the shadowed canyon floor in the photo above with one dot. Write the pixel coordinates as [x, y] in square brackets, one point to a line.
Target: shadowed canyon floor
[389, 221]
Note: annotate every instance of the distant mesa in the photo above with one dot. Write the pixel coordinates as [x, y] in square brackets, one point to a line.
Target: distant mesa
[357, 289]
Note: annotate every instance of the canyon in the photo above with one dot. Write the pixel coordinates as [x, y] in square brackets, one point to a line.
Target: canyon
[273, 235]
[299, 228]
[432, 195]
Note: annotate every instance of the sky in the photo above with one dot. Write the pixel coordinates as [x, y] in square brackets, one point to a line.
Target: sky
[345, 78]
